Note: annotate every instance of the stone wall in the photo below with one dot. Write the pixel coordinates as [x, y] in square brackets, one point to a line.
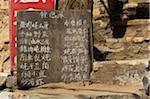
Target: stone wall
[117, 61]
[4, 4]
[129, 49]
[4, 41]
[132, 46]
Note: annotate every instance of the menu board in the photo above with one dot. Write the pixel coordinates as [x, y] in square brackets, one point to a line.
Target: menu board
[53, 46]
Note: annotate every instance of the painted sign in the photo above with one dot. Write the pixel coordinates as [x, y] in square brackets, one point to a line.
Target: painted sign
[16, 5]
[53, 46]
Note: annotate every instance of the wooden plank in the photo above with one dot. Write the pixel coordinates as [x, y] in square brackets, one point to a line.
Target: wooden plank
[53, 46]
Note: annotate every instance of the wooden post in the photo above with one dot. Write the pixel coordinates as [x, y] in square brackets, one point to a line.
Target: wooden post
[75, 4]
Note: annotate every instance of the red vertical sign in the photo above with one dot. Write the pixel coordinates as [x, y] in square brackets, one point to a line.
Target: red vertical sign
[16, 5]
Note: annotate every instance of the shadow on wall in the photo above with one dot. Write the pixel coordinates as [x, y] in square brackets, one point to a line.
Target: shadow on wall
[116, 13]
[98, 55]
[117, 22]
[142, 11]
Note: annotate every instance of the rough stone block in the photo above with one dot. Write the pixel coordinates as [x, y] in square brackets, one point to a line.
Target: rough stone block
[119, 74]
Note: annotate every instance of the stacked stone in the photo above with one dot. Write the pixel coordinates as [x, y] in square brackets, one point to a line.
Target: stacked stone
[4, 42]
[125, 52]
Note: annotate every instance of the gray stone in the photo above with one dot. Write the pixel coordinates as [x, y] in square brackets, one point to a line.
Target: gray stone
[146, 80]
[56, 56]
[119, 74]
[6, 95]
[57, 96]
[11, 82]
[3, 78]
[118, 97]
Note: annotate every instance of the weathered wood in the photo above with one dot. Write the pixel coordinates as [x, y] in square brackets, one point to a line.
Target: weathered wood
[75, 4]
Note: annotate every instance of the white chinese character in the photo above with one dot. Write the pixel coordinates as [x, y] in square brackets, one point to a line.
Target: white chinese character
[22, 25]
[36, 48]
[45, 65]
[37, 57]
[79, 22]
[37, 66]
[77, 76]
[39, 82]
[74, 31]
[69, 31]
[42, 73]
[30, 57]
[44, 34]
[23, 57]
[46, 25]
[73, 23]
[66, 23]
[30, 49]
[48, 49]
[85, 22]
[22, 34]
[64, 77]
[46, 42]
[43, 14]
[29, 25]
[31, 81]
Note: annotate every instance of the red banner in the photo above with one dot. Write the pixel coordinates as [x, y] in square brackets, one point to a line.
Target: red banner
[16, 5]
